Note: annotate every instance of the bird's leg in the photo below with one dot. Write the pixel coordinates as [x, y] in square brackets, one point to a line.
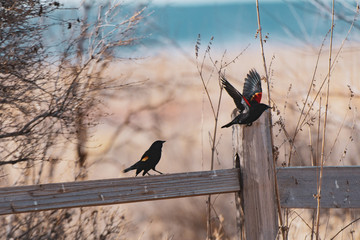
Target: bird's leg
[148, 174]
[157, 171]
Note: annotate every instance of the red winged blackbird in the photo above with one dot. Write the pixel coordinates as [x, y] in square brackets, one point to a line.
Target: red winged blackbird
[247, 103]
[149, 159]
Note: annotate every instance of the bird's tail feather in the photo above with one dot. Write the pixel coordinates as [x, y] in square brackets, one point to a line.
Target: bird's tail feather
[234, 121]
[129, 168]
[227, 125]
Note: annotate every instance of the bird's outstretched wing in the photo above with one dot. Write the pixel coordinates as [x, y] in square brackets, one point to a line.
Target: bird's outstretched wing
[240, 102]
[252, 86]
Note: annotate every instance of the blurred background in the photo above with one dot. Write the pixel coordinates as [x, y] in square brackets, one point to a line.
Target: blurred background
[140, 65]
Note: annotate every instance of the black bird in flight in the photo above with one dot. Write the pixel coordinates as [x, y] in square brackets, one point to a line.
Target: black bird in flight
[248, 103]
[148, 160]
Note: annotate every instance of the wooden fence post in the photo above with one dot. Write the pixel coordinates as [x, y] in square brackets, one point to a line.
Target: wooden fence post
[237, 151]
[253, 145]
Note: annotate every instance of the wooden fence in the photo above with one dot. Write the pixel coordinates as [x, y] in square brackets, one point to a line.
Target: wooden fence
[252, 183]
[297, 187]
[113, 191]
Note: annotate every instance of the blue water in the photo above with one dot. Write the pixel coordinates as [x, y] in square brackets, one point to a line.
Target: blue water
[283, 23]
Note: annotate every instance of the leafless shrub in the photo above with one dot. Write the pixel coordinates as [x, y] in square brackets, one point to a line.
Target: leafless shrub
[90, 223]
[50, 98]
[44, 95]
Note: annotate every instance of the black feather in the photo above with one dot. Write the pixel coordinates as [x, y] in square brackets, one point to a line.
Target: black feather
[252, 84]
[235, 94]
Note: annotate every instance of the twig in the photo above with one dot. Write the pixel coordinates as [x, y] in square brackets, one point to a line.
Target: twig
[283, 231]
[318, 135]
[292, 142]
[237, 57]
[302, 219]
[298, 126]
[316, 164]
[200, 70]
[213, 148]
[324, 128]
[216, 117]
[344, 228]
[311, 147]
[332, 66]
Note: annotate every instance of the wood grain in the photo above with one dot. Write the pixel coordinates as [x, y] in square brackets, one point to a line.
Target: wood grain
[113, 191]
[261, 221]
[239, 197]
[340, 187]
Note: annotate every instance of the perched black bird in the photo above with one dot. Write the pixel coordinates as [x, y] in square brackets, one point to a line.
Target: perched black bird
[149, 159]
[248, 103]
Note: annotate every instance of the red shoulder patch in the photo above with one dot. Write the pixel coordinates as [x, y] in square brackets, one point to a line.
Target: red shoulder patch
[257, 97]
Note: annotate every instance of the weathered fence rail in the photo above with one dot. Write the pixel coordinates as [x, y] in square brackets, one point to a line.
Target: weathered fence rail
[32, 198]
[341, 189]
